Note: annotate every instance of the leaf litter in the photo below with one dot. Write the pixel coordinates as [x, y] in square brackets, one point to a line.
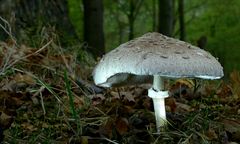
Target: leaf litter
[35, 106]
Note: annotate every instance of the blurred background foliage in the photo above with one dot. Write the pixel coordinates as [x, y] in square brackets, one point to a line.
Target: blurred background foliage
[217, 20]
[215, 23]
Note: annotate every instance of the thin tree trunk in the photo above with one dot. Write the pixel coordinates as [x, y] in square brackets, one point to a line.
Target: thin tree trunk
[131, 20]
[93, 26]
[120, 27]
[181, 19]
[165, 17]
[134, 9]
[154, 15]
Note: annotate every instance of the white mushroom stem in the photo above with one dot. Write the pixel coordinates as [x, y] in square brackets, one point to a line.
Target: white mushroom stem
[158, 96]
[158, 83]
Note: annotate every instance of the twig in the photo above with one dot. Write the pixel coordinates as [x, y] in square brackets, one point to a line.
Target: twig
[100, 111]
[41, 97]
[110, 140]
[42, 102]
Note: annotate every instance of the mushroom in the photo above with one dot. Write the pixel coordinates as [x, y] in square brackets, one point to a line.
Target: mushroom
[153, 57]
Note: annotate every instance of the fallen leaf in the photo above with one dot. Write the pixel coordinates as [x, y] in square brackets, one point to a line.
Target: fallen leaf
[5, 120]
[147, 103]
[183, 107]
[235, 77]
[28, 127]
[107, 128]
[10, 100]
[138, 92]
[122, 125]
[84, 140]
[225, 91]
[182, 88]
[211, 134]
[128, 96]
[188, 82]
[24, 78]
[233, 127]
[171, 103]
[233, 143]
[97, 99]
[115, 95]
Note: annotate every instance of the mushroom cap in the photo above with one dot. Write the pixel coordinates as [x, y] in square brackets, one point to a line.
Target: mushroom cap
[138, 60]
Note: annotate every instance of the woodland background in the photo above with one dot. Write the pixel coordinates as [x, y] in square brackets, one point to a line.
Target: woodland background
[48, 49]
[101, 25]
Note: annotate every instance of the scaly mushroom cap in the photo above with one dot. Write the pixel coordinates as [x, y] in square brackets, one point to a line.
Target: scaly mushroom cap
[155, 54]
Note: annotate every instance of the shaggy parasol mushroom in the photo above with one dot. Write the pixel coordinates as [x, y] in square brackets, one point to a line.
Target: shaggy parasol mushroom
[154, 56]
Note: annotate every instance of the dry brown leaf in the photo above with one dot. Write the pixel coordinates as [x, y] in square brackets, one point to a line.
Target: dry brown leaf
[128, 109]
[24, 78]
[235, 77]
[107, 128]
[233, 143]
[147, 103]
[183, 107]
[5, 120]
[233, 127]
[28, 127]
[235, 80]
[188, 82]
[84, 140]
[97, 99]
[10, 100]
[127, 96]
[182, 88]
[171, 103]
[122, 125]
[18, 82]
[115, 95]
[224, 91]
[45, 125]
[138, 91]
[211, 134]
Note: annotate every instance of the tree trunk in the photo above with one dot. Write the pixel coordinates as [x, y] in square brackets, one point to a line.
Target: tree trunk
[154, 15]
[93, 26]
[181, 19]
[165, 17]
[121, 26]
[134, 7]
[29, 18]
[131, 20]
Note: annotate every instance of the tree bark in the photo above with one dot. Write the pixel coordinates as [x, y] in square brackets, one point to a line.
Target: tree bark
[93, 26]
[165, 17]
[134, 8]
[154, 15]
[131, 19]
[30, 17]
[181, 19]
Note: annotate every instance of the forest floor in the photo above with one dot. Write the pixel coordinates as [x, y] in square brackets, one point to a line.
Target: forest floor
[42, 101]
